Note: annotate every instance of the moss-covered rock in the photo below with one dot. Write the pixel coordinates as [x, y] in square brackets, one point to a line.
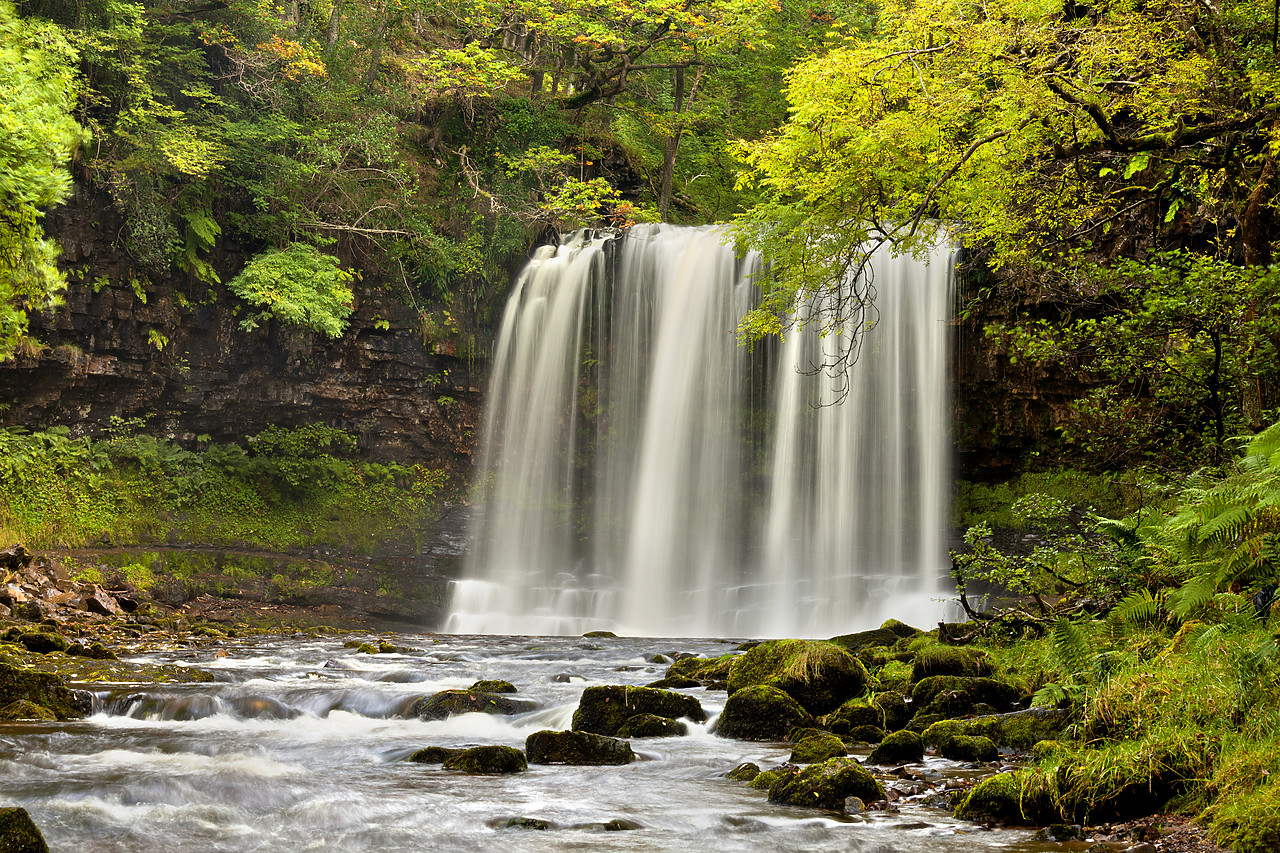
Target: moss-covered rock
[821, 676]
[964, 690]
[434, 754]
[488, 761]
[93, 651]
[854, 713]
[596, 635]
[875, 638]
[826, 785]
[450, 703]
[578, 748]
[744, 772]
[816, 748]
[1019, 798]
[651, 725]
[969, 748]
[1023, 729]
[19, 834]
[493, 686]
[24, 709]
[903, 747]
[865, 734]
[520, 823]
[712, 673]
[952, 660]
[43, 642]
[760, 712]
[42, 689]
[902, 629]
[603, 710]
[894, 711]
[765, 778]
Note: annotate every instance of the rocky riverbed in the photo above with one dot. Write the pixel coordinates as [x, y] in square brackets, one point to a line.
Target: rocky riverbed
[141, 728]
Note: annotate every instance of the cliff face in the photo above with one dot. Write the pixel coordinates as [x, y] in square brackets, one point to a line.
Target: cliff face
[134, 345]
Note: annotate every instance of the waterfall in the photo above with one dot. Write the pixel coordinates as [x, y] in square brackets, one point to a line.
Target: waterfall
[642, 471]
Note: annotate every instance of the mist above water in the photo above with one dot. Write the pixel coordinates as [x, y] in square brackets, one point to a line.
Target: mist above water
[643, 471]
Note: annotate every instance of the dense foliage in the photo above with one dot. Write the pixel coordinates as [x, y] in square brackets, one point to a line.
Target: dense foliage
[288, 489]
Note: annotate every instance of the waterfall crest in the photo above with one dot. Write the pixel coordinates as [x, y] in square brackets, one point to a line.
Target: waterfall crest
[643, 472]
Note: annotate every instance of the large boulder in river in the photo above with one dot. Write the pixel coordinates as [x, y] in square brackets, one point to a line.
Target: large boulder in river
[581, 748]
[603, 710]
[651, 725]
[821, 676]
[450, 703]
[488, 761]
[19, 834]
[898, 748]
[761, 713]
[826, 785]
[44, 690]
[712, 673]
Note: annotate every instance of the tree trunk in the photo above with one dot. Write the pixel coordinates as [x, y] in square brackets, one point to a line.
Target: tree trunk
[672, 147]
[1257, 252]
[335, 20]
[375, 59]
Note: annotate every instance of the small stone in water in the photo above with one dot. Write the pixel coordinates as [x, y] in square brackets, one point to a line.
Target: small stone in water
[854, 805]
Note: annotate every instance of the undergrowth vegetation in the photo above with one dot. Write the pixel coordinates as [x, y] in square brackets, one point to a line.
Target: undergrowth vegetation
[287, 488]
[1156, 629]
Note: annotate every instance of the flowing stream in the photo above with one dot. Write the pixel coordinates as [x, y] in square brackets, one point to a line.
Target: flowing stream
[645, 472]
[299, 746]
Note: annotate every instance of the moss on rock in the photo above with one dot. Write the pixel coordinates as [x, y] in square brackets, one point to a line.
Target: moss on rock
[854, 713]
[434, 754]
[952, 660]
[712, 673]
[651, 725]
[969, 748]
[821, 676]
[816, 748]
[894, 712]
[24, 709]
[865, 734]
[1019, 798]
[744, 772]
[449, 703]
[488, 761]
[42, 689]
[493, 686]
[43, 642]
[603, 710]
[825, 785]
[903, 747]
[577, 748]
[760, 712]
[19, 834]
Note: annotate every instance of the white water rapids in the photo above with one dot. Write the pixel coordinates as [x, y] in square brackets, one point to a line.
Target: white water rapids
[646, 473]
[298, 747]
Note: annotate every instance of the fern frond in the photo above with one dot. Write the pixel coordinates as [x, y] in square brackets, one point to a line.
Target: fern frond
[1071, 646]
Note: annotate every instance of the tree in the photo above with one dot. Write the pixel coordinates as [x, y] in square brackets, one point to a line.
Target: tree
[37, 137]
[1026, 127]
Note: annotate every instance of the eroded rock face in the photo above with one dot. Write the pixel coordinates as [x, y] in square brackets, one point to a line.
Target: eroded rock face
[419, 397]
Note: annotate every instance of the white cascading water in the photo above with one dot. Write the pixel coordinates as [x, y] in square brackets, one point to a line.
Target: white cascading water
[645, 473]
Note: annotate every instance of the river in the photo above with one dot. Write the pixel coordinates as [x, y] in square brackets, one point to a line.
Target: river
[300, 746]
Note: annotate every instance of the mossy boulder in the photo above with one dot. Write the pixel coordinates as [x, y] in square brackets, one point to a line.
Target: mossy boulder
[577, 748]
[903, 747]
[520, 823]
[712, 673]
[93, 651]
[24, 709]
[969, 748]
[902, 629]
[19, 834]
[816, 748]
[493, 686]
[765, 778]
[760, 712]
[821, 676]
[1024, 729]
[596, 635]
[488, 761]
[651, 725]
[894, 710]
[826, 785]
[44, 689]
[955, 696]
[865, 734]
[875, 638]
[603, 710]
[44, 642]
[450, 703]
[434, 754]
[952, 660]
[744, 772]
[1019, 798]
[854, 713]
